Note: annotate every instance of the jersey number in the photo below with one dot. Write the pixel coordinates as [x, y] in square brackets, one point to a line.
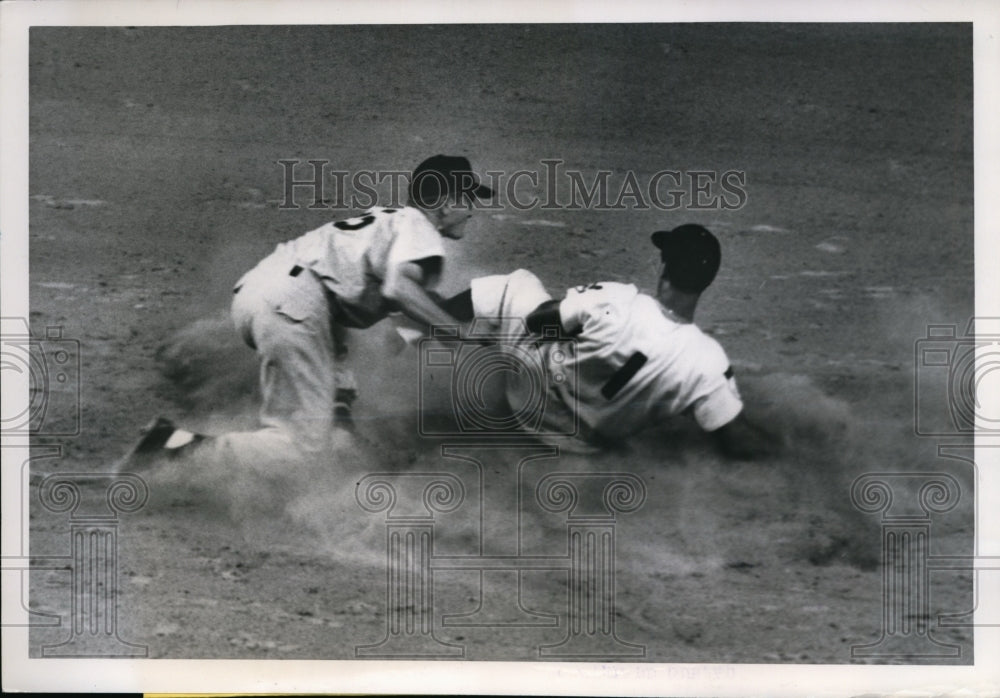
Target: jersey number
[361, 223]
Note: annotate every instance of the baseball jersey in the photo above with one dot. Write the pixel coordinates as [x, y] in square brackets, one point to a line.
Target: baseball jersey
[354, 258]
[635, 365]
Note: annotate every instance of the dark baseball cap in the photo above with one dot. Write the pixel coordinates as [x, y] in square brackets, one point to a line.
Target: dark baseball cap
[442, 175]
[691, 255]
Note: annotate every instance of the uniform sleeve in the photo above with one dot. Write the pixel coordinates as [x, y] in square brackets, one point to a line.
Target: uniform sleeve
[415, 239]
[720, 402]
[718, 408]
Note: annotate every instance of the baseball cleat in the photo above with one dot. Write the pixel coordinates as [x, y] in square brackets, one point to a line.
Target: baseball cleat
[344, 397]
[160, 439]
[342, 413]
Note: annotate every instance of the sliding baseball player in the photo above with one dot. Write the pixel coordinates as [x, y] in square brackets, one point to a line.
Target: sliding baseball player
[635, 360]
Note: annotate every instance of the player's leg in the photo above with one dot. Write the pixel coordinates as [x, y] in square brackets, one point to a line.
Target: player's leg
[512, 299]
[501, 299]
[346, 385]
[287, 321]
[506, 300]
[290, 326]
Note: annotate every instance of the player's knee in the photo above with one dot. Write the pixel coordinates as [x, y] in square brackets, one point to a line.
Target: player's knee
[487, 294]
[525, 292]
[515, 294]
[523, 277]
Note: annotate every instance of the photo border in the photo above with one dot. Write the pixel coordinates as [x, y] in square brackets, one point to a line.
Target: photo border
[347, 676]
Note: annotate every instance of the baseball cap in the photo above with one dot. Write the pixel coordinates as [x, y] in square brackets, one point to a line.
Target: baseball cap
[440, 175]
[691, 254]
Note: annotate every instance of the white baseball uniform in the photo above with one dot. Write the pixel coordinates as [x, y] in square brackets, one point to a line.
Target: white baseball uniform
[286, 308]
[628, 363]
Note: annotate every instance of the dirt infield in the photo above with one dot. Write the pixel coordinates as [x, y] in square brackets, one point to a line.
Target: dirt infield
[155, 182]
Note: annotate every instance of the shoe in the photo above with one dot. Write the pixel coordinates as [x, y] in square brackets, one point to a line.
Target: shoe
[160, 439]
[344, 396]
[346, 386]
[342, 414]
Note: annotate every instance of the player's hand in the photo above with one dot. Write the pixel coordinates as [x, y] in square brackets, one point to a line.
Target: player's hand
[743, 440]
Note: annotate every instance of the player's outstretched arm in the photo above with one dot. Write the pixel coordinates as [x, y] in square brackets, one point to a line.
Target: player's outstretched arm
[744, 440]
[406, 289]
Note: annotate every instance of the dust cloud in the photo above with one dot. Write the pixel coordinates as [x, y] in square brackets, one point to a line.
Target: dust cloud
[701, 508]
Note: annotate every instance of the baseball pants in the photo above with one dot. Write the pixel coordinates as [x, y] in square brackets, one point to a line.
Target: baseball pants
[283, 313]
[505, 301]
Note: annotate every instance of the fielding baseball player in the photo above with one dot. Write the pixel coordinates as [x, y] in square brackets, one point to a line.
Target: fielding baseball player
[638, 360]
[292, 308]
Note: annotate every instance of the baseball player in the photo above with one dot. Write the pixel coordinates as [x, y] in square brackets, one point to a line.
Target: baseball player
[292, 308]
[637, 359]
